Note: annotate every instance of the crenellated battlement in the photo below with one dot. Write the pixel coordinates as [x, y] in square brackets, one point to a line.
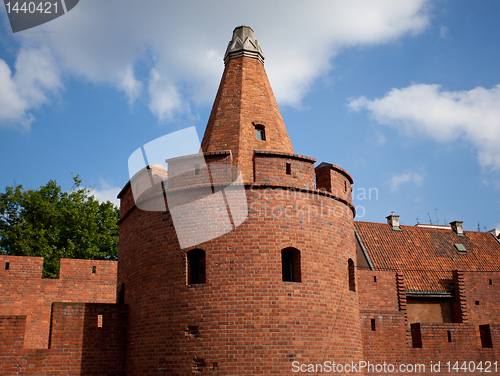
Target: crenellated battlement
[278, 168]
[334, 180]
[25, 293]
[85, 339]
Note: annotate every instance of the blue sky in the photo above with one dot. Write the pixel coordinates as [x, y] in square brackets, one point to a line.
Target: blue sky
[404, 95]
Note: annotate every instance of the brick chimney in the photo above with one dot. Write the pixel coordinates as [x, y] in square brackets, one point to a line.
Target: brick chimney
[245, 115]
[393, 220]
[457, 227]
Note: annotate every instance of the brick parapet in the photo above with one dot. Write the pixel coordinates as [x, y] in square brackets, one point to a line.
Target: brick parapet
[78, 345]
[283, 168]
[335, 180]
[24, 291]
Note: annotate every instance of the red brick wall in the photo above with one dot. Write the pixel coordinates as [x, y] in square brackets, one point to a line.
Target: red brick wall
[25, 293]
[334, 180]
[270, 168]
[478, 289]
[245, 97]
[77, 345]
[249, 320]
[391, 341]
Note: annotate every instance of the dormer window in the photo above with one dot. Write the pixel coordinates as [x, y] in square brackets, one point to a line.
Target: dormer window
[260, 133]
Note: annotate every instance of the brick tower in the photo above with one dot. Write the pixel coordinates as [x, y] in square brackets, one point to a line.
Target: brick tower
[280, 288]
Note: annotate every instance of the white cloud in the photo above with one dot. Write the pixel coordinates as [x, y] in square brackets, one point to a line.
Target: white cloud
[443, 116]
[397, 180]
[182, 43]
[12, 105]
[443, 31]
[36, 75]
[130, 85]
[36, 78]
[165, 99]
[106, 193]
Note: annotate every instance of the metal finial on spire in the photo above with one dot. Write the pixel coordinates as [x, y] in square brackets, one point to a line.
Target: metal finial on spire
[243, 43]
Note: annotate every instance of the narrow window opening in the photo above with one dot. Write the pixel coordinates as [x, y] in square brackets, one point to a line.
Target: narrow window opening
[345, 186]
[99, 321]
[373, 325]
[260, 133]
[491, 282]
[7, 265]
[196, 266]
[374, 278]
[290, 262]
[416, 335]
[449, 336]
[196, 169]
[485, 333]
[352, 277]
[288, 168]
[121, 294]
[93, 269]
[477, 302]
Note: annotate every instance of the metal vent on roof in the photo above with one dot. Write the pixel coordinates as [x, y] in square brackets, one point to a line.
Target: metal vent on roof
[460, 248]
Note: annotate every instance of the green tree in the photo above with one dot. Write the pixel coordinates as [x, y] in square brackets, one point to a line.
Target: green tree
[54, 224]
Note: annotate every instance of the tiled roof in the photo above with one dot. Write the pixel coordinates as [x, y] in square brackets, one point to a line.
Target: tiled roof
[427, 256]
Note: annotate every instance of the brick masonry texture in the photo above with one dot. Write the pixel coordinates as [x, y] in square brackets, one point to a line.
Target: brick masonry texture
[245, 99]
[46, 329]
[24, 292]
[250, 321]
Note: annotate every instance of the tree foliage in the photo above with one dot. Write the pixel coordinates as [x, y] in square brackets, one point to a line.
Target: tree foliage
[54, 224]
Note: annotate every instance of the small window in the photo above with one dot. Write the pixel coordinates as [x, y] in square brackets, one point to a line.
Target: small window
[491, 282]
[121, 294]
[260, 133]
[7, 265]
[416, 335]
[449, 336]
[99, 321]
[193, 331]
[477, 302]
[461, 248]
[352, 276]
[196, 169]
[93, 269]
[288, 168]
[290, 262]
[196, 266]
[374, 278]
[373, 325]
[485, 333]
[345, 186]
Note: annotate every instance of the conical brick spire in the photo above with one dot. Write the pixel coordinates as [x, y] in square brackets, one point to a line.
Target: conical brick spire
[245, 116]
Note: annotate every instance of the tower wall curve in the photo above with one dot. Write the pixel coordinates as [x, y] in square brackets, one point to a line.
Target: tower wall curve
[244, 319]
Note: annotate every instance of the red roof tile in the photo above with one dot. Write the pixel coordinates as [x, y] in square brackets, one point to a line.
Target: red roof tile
[428, 256]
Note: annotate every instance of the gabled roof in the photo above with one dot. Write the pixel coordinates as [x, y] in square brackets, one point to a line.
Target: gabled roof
[428, 256]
